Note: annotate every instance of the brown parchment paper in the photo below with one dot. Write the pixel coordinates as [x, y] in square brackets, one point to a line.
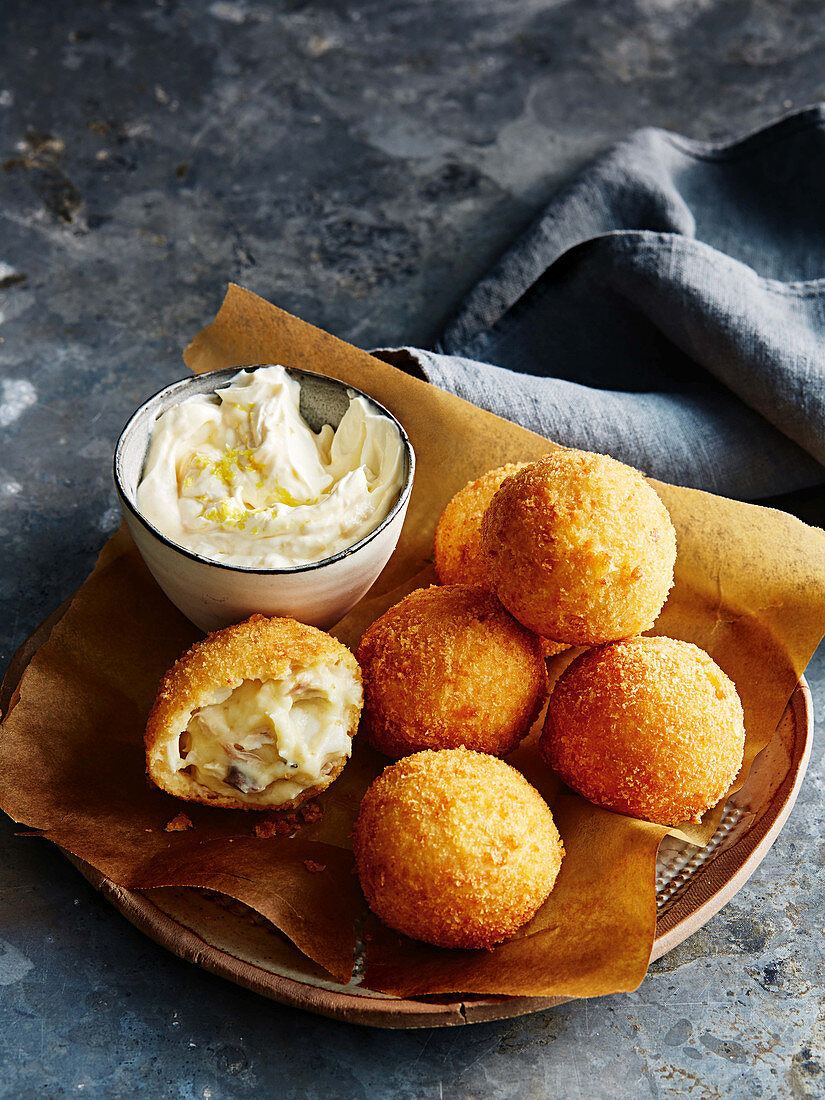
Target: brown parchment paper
[750, 588]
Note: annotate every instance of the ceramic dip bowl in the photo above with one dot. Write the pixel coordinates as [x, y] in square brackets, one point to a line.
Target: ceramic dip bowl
[213, 594]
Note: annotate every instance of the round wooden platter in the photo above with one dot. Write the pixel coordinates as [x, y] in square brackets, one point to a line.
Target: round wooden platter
[228, 939]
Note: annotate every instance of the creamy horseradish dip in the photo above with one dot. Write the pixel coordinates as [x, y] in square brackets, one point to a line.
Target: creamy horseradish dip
[239, 476]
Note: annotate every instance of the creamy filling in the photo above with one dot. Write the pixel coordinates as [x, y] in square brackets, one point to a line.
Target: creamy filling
[269, 740]
[239, 476]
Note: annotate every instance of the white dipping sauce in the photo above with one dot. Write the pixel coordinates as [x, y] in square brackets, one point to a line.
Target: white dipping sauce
[239, 476]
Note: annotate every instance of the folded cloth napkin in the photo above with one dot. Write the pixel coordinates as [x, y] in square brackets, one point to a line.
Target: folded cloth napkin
[668, 308]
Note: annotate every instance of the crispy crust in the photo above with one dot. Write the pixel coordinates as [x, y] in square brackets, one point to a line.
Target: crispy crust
[257, 649]
[449, 666]
[649, 727]
[459, 556]
[580, 548]
[458, 552]
[455, 848]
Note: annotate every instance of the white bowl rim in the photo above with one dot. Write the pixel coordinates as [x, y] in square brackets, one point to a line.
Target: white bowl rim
[227, 373]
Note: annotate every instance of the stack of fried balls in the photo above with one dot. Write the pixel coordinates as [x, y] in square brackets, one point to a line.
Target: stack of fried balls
[452, 845]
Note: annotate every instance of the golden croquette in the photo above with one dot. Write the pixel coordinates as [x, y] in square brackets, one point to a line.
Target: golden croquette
[449, 666]
[649, 727]
[458, 553]
[256, 716]
[580, 548]
[455, 848]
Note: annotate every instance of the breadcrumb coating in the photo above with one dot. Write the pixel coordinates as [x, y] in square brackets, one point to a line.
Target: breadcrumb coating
[580, 548]
[649, 727]
[449, 666]
[459, 556]
[258, 649]
[458, 552]
[455, 848]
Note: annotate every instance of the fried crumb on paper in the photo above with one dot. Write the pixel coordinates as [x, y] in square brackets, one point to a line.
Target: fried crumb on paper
[178, 824]
[287, 824]
[314, 867]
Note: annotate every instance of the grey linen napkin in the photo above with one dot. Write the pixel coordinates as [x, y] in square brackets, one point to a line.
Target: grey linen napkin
[667, 308]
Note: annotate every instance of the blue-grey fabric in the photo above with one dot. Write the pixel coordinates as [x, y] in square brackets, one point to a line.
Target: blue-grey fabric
[668, 308]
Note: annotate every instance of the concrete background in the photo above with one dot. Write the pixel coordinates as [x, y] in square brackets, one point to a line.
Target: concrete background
[361, 164]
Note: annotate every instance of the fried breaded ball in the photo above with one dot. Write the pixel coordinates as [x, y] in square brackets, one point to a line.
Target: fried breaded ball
[649, 727]
[448, 666]
[458, 551]
[580, 548]
[459, 555]
[256, 716]
[455, 848]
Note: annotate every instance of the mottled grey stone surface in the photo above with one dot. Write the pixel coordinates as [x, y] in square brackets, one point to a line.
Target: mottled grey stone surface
[359, 164]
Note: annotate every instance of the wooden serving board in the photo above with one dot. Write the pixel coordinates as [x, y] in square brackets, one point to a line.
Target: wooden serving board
[226, 938]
